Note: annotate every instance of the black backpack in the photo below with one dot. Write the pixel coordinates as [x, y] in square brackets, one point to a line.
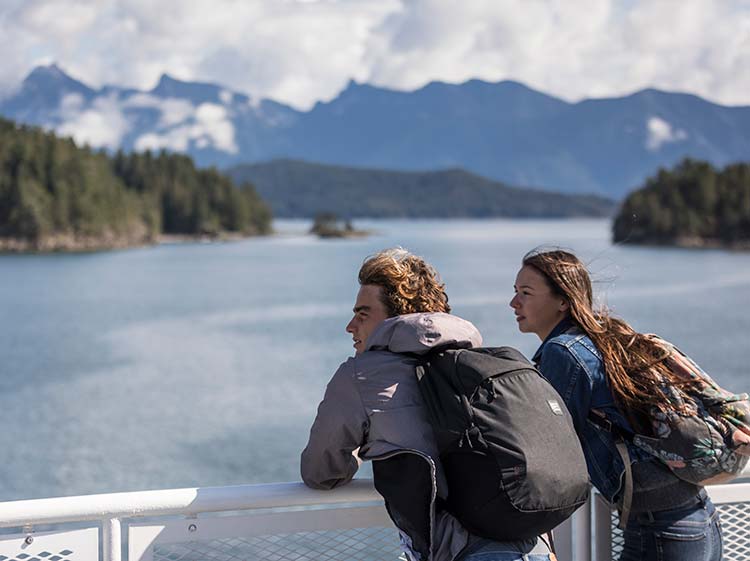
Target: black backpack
[513, 461]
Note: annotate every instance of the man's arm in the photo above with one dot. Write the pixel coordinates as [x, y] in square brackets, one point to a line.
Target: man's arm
[339, 429]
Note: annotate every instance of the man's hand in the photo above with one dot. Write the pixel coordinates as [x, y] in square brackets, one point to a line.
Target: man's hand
[355, 453]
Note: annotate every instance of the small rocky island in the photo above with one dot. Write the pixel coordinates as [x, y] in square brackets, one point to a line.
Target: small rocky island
[691, 205]
[329, 225]
[57, 196]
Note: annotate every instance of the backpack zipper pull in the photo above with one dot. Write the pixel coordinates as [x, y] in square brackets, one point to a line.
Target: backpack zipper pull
[465, 438]
[491, 395]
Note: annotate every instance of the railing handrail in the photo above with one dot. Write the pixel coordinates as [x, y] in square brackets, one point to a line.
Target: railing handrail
[188, 501]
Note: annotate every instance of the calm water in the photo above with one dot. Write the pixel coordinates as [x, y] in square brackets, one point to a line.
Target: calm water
[202, 364]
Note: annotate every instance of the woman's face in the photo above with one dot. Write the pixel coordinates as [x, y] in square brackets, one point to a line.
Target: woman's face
[538, 309]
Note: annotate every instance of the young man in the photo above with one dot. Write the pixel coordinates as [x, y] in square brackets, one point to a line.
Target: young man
[373, 410]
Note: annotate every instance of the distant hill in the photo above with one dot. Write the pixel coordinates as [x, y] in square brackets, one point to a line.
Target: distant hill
[692, 204]
[504, 131]
[303, 189]
[55, 195]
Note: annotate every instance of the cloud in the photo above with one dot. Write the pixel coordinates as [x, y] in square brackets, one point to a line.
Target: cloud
[226, 97]
[101, 125]
[300, 52]
[61, 20]
[660, 132]
[208, 125]
[104, 123]
[173, 110]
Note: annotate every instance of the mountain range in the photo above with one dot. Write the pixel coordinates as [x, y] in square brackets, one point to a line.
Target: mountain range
[503, 131]
[302, 189]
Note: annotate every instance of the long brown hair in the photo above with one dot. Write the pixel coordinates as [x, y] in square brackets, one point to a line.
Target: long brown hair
[634, 363]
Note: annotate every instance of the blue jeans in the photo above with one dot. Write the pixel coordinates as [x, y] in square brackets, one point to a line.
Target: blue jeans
[692, 533]
[527, 550]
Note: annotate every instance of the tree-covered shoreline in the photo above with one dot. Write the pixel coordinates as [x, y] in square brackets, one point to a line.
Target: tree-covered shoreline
[691, 205]
[56, 196]
[299, 189]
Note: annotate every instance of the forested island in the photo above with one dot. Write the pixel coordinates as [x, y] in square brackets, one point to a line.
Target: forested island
[329, 225]
[56, 196]
[297, 189]
[691, 205]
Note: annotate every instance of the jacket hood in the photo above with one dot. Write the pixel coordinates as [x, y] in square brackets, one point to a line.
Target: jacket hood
[419, 333]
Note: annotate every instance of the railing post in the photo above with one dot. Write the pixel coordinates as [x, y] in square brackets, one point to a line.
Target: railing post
[573, 537]
[603, 528]
[582, 531]
[111, 540]
[563, 535]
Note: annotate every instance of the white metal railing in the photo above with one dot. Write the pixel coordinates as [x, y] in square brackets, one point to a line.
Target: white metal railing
[259, 521]
[732, 501]
[326, 510]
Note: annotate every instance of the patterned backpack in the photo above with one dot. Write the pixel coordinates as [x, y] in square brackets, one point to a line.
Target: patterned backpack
[708, 443]
[713, 446]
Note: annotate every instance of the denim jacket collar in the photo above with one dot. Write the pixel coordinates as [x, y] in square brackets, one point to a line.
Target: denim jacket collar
[565, 324]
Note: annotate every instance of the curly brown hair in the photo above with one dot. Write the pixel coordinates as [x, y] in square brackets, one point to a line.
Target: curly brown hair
[635, 363]
[409, 284]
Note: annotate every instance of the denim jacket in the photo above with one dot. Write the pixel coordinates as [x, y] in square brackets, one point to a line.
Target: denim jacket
[573, 365]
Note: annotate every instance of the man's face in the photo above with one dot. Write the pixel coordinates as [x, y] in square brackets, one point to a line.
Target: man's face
[369, 311]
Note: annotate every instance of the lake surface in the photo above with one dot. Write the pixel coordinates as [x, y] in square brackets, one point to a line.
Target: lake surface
[203, 364]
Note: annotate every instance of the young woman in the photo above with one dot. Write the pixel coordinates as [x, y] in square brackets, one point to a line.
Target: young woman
[599, 364]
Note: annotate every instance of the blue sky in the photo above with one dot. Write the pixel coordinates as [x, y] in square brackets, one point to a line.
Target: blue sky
[303, 51]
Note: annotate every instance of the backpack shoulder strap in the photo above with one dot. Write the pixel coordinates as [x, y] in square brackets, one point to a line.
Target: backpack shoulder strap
[600, 419]
[621, 435]
[627, 492]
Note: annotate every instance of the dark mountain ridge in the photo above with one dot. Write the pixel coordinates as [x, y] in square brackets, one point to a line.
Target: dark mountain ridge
[296, 189]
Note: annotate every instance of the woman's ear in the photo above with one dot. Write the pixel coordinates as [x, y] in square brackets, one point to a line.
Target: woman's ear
[564, 306]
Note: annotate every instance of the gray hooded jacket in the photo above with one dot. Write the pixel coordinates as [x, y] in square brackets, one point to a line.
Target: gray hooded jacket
[373, 408]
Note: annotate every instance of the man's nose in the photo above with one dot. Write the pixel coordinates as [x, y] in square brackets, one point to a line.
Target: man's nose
[514, 302]
[350, 327]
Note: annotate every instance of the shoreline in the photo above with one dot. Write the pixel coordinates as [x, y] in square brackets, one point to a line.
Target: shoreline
[341, 234]
[690, 243]
[88, 244]
[66, 243]
[168, 239]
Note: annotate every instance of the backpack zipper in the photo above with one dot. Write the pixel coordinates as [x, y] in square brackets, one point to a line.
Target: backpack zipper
[487, 385]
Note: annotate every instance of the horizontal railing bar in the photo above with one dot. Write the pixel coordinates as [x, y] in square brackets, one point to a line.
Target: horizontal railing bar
[729, 493]
[720, 494]
[179, 501]
[216, 499]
